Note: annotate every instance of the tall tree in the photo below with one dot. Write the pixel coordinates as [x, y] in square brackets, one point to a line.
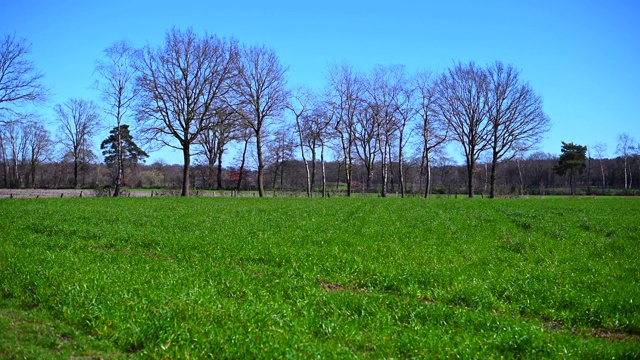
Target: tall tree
[181, 85]
[624, 149]
[12, 146]
[300, 106]
[117, 76]
[39, 148]
[405, 114]
[572, 162]
[20, 81]
[345, 97]
[223, 128]
[119, 150]
[24, 144]
[516, 119]
[600, 149]
[432, 127]
[79, 121]
[262, 94]
[383, 92]
[463, 102]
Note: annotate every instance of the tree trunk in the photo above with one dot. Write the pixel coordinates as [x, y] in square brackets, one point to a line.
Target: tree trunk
[219, 174]
[385, 171]
[185, 170]
[324, 175]
[304, 158]
[75, 172]
[492, 179]
[521, 178]
[260, 164]
[244, 157]
[427, 188]
[348, 175]
[32, 170]
[625, 173]
[470, 166]
[401, 170]
[313, 169]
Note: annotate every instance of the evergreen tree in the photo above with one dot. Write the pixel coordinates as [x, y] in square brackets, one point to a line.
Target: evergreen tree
[573, 161]
[130, 153]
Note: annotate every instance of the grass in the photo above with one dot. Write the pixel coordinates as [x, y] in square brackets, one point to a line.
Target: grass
[330, 278]
[34, 334]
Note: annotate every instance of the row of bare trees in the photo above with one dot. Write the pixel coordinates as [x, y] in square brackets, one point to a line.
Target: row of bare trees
[374, 118]
[201, 93]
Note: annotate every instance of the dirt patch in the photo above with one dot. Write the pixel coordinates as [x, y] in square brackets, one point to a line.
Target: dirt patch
[615, 335]
[426, 300]
[332, 287]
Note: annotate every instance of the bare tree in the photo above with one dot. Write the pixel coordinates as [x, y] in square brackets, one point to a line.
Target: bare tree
[405, 115]
[600, 149]
[12, 143]
[345, 98]
[79, 121]
[245, 135]
[463, 102]
[181, 84]
[213, 140]
[433, 128]
[384, 90]
[321, 132]
[261, 91]
[38, 149]
[20, 81]
[116, 84]
[280, 150]
[366, 141]
[516, 119]
[300, 106]
[625, 149]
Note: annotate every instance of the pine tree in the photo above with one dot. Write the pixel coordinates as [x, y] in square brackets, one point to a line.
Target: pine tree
[129, 155]
[573, 161]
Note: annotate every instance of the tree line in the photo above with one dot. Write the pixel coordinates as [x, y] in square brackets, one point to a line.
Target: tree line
[378, 131]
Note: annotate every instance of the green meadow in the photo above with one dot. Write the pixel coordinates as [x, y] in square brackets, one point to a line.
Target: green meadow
[326, 278]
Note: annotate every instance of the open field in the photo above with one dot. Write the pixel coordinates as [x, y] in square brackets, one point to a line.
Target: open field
[330, 278]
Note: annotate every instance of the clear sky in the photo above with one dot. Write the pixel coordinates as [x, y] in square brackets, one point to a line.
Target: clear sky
[582, 56]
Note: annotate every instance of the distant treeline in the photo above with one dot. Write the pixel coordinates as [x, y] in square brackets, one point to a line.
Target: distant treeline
[533, 175]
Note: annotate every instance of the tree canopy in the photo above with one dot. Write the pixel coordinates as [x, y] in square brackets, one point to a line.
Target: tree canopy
[572, 162]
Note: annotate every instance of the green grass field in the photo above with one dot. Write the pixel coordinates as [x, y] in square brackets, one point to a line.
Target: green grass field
[328, 278]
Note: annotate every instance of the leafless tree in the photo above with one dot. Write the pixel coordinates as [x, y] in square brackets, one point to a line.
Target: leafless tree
[280, 150]
[301, 105]
[261, 91]
[20, 81]
[79, 121]
[600, 149]
[39, 148]
[245, 135]
[366, 140]
[24, 144]
[118, 90]
[517, 121]
[213, 140]
[433, 128]
[463, 103]
[320, 133]
[345, 98]
[384, 89]
[625, 149]
[181, 85]
[12, 145]
[406, 111]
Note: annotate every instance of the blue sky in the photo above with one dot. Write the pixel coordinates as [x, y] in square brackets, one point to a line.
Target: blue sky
[583, 57]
